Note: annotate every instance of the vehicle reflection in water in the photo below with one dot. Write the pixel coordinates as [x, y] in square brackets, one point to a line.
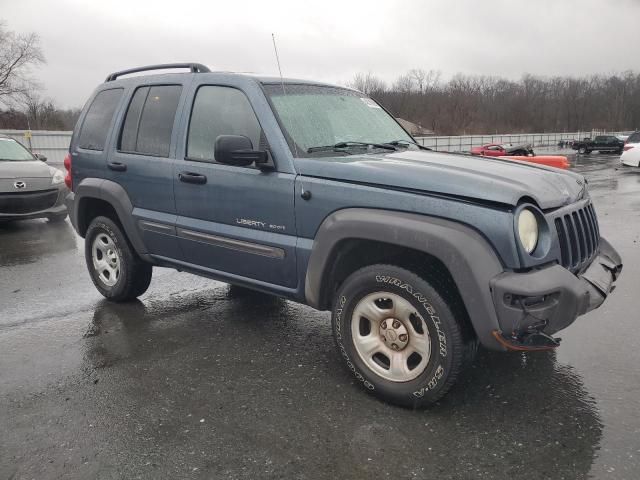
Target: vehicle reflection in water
[43, 238]
[263, 374]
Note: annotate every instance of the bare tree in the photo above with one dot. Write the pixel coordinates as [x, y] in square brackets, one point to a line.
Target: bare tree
[424, 80]
[42, 114]
[18, 54]
[404, 83]
[486, 104]
[367, 83]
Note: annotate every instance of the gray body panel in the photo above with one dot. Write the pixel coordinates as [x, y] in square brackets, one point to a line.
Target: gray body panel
[23, 169]
[487, 180]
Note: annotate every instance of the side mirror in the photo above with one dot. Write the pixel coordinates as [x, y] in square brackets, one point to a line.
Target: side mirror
[238, 150]
[40, 157]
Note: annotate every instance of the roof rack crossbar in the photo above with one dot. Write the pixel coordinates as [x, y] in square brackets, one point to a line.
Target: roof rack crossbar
[193, 67]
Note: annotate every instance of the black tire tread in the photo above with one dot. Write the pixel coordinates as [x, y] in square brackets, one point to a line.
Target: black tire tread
[137, 273]
[455, 338]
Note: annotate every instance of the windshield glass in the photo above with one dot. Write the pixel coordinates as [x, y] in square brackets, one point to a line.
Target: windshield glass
[315, 116]
[12, 151]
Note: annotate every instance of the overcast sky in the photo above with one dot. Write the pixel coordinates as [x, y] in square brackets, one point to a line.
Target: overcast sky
[330, 40]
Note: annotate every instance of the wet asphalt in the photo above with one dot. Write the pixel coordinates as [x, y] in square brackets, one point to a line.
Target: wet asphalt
[199, 380]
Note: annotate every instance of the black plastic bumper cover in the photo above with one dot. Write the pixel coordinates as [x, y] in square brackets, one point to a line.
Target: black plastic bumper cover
[551, 298]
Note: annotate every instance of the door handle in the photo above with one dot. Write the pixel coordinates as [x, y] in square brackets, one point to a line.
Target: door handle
[117, 166]
[190, 177]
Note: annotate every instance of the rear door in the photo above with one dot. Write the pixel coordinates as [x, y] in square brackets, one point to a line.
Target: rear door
[142, 163]
[236, 220]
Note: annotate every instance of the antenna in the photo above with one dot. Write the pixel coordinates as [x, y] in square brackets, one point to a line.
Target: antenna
[275, 49]
[284, 92]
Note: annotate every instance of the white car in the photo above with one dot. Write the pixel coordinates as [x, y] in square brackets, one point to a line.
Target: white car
[631, 154]
[631, 158]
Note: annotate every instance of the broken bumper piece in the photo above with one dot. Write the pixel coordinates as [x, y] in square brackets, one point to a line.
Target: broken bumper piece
[534, 305]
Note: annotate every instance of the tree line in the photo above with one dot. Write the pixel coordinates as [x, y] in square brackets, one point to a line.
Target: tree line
[474, 104]
[21, 106]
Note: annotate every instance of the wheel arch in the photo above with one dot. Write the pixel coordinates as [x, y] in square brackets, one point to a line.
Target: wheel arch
[95, 197]
[351, 238]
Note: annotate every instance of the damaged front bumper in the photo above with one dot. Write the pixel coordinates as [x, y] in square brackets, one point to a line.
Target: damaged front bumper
[534, 305]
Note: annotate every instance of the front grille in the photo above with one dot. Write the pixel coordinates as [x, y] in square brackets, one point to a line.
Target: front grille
[579, 237]
[27, 202]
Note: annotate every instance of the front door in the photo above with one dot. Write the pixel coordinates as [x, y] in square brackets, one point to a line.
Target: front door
[235, 220]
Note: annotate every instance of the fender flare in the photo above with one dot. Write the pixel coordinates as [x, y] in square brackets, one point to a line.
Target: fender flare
[470, 259]
[116, 196]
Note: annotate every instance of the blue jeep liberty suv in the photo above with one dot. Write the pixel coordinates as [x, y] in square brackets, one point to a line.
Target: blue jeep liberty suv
[314, 193]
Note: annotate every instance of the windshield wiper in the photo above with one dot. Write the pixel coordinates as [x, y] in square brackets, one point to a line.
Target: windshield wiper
[397, 143]
[340, 145]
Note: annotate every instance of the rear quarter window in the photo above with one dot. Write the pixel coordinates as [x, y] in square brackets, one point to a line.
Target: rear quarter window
[96, 124]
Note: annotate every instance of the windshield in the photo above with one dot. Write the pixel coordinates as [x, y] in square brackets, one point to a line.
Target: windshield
[315, 116]
[12, 151]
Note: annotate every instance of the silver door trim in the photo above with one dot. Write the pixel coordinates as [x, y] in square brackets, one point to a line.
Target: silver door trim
[157, 227]
[233, 244]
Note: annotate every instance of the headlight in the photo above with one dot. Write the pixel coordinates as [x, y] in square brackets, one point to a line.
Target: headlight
[528, 229]
[57, 176]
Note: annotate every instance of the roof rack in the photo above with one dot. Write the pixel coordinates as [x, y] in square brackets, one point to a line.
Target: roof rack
[193, 67]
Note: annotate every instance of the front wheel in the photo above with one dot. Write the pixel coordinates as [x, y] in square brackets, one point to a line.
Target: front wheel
[398, 336]
[583, 150]
[115, 268]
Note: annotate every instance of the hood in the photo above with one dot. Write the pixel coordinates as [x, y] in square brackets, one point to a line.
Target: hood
[491, 180]
[26, 169]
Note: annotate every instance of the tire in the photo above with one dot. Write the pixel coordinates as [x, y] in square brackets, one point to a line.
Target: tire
[583, 150]
[58, 218]
[399, 303]
[118, 273]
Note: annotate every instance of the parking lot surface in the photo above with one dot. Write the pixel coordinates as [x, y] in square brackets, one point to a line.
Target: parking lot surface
[199, 380]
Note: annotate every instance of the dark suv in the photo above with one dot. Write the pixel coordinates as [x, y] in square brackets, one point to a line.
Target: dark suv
[602, 144]
[315, 193]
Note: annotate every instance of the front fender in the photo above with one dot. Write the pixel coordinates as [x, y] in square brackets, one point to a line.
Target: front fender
[470, 259]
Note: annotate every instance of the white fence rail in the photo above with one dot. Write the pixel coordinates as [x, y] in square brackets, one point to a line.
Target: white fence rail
[54, 145]
[464, 143]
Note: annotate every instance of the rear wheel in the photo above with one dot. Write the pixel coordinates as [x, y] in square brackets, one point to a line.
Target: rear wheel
[583, 150]
[398, 335]
[116, 270]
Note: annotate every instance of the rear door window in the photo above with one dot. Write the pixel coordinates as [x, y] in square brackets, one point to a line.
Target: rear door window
[148, 124]
[96, 124]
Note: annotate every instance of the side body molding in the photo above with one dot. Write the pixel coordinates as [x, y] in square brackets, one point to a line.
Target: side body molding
[115, 195]
[469, 258]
